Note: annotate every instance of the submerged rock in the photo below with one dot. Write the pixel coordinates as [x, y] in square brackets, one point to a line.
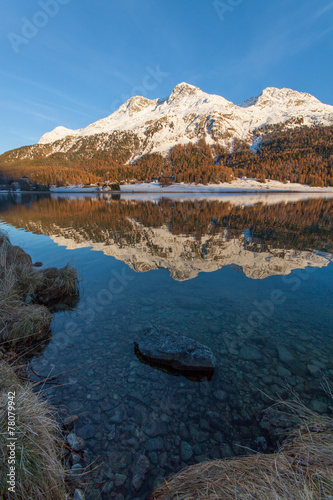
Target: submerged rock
[155, 444]
[250, 353]
[119, 479]
[186, 451]
[165, 347]
[284, 355]
[69, 422]
[76, 443]
[140, 471]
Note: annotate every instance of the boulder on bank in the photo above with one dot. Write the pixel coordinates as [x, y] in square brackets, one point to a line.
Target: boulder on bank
[162, 346]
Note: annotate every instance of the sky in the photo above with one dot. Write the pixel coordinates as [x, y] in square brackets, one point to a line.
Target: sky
[72, 62]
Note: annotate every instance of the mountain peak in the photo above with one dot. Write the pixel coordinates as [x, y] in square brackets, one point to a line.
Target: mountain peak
[137, 103]
[184, 85]
[273, 95]
[56, 134]
[182, 90]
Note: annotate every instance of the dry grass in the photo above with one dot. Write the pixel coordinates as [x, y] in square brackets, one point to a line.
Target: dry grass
[57, 284]
[301, 470]
[39, 471]
[17, 277]
[26, 325]
[22, 324]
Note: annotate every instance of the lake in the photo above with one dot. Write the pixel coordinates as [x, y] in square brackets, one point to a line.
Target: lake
[250, 276]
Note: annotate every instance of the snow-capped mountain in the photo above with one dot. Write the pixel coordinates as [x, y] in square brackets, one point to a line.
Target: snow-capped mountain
[188, 114]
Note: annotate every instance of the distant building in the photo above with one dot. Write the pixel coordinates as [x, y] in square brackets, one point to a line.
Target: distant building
[25, 179]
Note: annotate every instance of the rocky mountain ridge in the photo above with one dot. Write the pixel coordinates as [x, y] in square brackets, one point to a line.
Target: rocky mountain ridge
[188, 114]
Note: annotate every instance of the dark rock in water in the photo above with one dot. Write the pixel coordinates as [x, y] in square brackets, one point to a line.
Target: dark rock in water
[140, 470]
[221, 395]
[284, 355]
[88, 431]
[69, 422]
[119, 479]
[154, 429]
[261, 444]
[186, 451]
[38, 264]
[275, 425]
[75, 458]
[250, 353]
[163, 346]
[155, 444]
[297, 368]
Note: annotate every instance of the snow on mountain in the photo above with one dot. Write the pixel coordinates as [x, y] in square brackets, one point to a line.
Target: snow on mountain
[272, 96]
[189, 114]
[55, 135]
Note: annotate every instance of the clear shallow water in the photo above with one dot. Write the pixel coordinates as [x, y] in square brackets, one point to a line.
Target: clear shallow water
[251, 280]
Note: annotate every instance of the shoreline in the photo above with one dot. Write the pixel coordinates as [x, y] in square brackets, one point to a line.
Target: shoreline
[244, 186]
[150, 191]
[237, 186]
[79, 190]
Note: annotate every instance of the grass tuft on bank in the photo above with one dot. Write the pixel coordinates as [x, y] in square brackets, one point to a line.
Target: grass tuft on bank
[24, 294]
[57, 284]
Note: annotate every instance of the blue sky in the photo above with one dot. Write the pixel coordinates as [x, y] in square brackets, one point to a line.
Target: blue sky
[72, 62]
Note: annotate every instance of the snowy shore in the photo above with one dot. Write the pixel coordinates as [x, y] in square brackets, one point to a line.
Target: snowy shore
[237, 186]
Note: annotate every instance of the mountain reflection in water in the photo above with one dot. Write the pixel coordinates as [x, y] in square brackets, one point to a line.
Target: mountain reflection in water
[186, 237]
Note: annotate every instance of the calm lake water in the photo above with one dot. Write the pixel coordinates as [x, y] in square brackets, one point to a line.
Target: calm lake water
[249, 276]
